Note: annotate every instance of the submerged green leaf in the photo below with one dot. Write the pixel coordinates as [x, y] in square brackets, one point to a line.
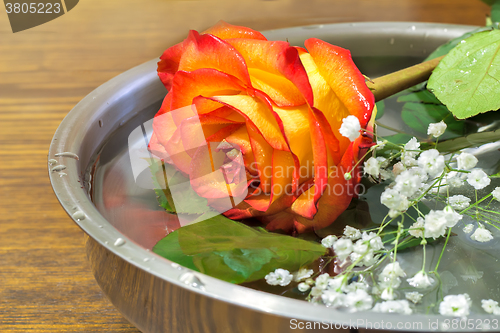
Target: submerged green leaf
[467, 80]
[380, 109]
[472, 140]
[169, 248]
[419, 115]
[235, 252]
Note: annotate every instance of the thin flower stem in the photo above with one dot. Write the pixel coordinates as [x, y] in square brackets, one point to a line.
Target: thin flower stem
[477, 203]
[442, 251]
[424, 256]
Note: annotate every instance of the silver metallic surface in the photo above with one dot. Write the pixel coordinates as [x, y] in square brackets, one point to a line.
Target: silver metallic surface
[156, 295]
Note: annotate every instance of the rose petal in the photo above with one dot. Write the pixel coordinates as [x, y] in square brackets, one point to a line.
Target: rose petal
[258, 113]
[202, 82]
[336, 66]
[224, 30]
[279, 58]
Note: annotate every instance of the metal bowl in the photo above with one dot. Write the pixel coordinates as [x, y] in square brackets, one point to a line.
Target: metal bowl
[155, 294]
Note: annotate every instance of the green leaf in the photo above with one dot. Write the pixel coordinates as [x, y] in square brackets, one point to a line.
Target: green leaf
[419, 115]
[187, 201]
[380, 109]
[472, 140]
[421, 96]
[398, 139]
[495, 11]
[169, 248]
[235, 252]
[467, 80]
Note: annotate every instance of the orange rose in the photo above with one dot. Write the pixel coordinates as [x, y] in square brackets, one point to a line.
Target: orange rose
[269, 116]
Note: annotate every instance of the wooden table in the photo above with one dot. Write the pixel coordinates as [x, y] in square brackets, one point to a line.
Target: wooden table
[45, 280]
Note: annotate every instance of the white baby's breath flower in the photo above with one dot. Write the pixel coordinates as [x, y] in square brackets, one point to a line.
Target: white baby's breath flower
[280, 277]
[496, 193]
[417, 228]
[342, 248]
[328, 241]
[381, 144]
[420, 173]
[455, 305]
[411, 150]
[421, 280]
[399, 306]
[350, 127]
[451, 216]
[394, 213]
[322, 281]
[432, 162]
[414, 296]
[358, 300]
[398, 168]
[478, 179]
[407, 183]
[353, 286]
[459, 202]
[360, 247]
[435, 224]
[392, 199]
[436, 129]
[489, 305]
[482, 234]
[315, 292]
[302, 274]
[468, 228]
[375, 242]
[466, 161]
[352, 233]
[372, 167]
[387, 294]
[337, 283]
[332, 298]
[391, 270]
[454, 179]
[303, 287]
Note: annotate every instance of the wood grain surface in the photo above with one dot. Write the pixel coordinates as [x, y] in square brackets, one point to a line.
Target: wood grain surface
[45, 280]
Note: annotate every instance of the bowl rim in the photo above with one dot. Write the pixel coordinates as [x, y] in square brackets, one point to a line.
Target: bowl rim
[75, 200]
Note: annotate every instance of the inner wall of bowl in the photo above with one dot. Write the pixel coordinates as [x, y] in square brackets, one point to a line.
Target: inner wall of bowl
[118, 191]
[376, 51]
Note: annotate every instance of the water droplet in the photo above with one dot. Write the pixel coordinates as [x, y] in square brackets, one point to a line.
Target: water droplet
[67, 154]
[100, 123]
[445, 30]
[391, 41]
[78, 215]
[146, 259]
[122, 122]
[52, 161]
[58, 168]
[101, 226]
[413, 28]
[119, 242]
[62, 174]
[463, 41]
[191, 280]
[106, 242]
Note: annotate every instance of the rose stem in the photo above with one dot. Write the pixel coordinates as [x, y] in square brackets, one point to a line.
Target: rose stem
[393, 83]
